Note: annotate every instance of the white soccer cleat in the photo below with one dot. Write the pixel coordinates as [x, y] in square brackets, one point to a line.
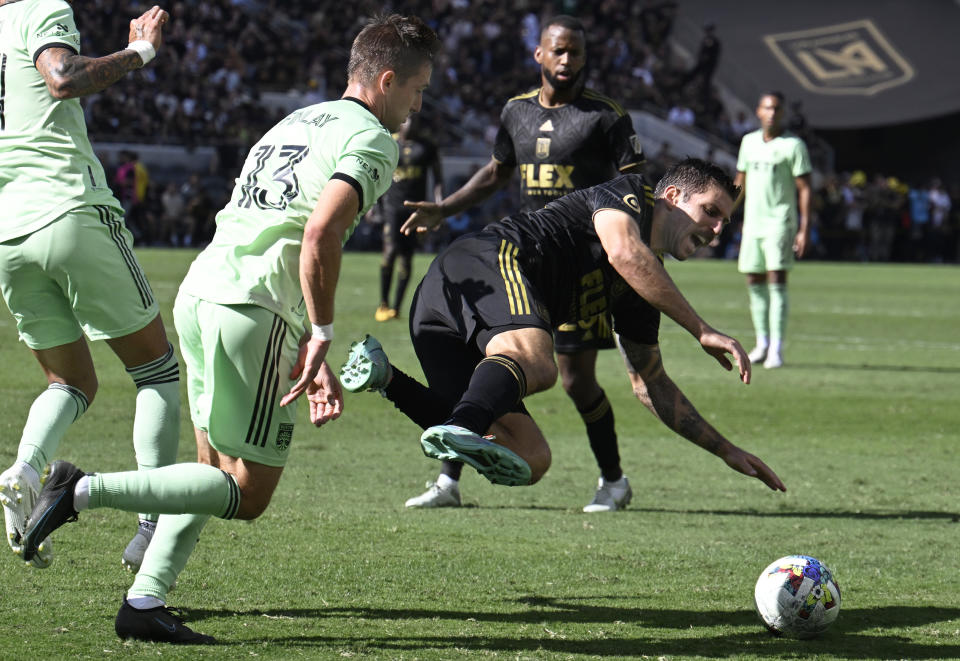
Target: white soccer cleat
[758, 354]
[436, 496]
[773, 361]
[610, 496]
[133, 554]
[18, 495]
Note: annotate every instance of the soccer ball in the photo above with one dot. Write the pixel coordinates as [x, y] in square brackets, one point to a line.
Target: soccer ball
[797, 596]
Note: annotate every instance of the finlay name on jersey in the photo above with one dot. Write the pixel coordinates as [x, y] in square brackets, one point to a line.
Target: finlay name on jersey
[547, 175]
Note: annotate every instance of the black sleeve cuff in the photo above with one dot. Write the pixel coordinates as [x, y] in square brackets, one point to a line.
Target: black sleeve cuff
[52, 45]
[353, 182]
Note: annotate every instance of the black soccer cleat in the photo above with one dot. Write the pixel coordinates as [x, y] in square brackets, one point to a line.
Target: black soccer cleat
[160, 624]
[53, 508]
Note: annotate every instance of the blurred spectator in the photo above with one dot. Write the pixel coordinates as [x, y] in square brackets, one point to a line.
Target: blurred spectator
[707, 58]
[131, 181]
[939, 232]
[919, 198]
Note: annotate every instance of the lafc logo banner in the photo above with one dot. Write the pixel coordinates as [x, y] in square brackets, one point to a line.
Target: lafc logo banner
[848, 58]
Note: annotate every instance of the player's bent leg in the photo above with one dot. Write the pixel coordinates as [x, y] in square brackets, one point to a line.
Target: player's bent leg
[520, 433]
[156, 423]
[532, 348]
[73, 383]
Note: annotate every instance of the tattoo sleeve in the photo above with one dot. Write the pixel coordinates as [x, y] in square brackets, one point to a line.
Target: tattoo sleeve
[660, 394]
[69, 75]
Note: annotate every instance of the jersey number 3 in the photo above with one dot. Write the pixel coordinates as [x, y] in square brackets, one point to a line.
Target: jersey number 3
[285, 186]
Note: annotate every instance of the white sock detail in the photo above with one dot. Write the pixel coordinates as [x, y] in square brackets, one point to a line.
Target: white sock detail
[81, 494]
[143, 603]
[445, 481]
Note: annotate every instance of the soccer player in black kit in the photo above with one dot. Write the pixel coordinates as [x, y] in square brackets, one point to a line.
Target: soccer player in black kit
[562, 137]
[482, 319]
[418, 156]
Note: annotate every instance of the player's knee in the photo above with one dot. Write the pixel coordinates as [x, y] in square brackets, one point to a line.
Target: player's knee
[539, 463]
[252, 505]
[581, 387]
[541, 374]
[86, 383]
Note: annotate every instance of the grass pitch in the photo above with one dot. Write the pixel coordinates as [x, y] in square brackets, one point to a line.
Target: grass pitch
[861, 426]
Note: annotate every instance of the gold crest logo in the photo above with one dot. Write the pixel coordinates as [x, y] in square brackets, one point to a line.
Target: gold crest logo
[543, 147]
[632, 201]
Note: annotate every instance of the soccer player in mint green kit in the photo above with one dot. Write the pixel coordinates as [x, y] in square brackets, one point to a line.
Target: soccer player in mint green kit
[773, 171]
[67, 267]
[255, 319]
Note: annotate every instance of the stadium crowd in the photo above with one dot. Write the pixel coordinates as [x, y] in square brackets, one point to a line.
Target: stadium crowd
[221, 56]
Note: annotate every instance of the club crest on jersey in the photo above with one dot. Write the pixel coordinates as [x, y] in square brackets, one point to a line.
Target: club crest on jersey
[632, 201]
[543, 148]
[284, 436]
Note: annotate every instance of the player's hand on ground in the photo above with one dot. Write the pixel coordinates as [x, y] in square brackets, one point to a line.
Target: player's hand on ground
[305, 370]
[428, 216]
[325, 396]
[149, 27]
[748, 464]
[719, 345]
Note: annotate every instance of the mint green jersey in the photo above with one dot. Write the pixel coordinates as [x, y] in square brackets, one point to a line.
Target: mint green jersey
[254, 257]
[771, 170]
[47, 166]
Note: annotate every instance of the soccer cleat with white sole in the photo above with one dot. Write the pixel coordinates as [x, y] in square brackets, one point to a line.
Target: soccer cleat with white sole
[436, 496]
[367, 366]
[610, 496]
[18, 495]
[495, 462]
[758, 354]
[54, 507]
[133, 555]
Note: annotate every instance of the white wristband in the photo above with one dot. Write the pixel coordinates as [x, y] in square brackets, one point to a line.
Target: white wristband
[144, 49]
[322, 332]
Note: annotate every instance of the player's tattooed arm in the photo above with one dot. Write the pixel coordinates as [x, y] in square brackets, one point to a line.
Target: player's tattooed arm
[69, 75]
[657, 391]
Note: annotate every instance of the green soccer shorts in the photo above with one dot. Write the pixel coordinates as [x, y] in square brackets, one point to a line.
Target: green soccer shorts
[759, 254]
[77, 275]
[238, 360]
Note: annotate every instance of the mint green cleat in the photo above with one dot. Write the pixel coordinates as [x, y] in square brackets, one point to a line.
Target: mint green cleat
[367, 367]
[495, 462]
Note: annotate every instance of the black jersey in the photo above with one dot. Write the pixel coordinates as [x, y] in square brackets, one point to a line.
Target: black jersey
[559, 150]
[559, 251]
[417, 156]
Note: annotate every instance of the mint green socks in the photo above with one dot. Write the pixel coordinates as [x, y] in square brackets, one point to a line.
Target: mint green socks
[175, 489]
[778, 313]
[760, 312]
[55, 409]
[156, 425]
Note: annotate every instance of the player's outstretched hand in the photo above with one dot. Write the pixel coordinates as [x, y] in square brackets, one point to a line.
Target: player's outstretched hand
[309, 361]
[149, 27]
[325, 396]
[427, 216]
[748, 464]
[719, 345]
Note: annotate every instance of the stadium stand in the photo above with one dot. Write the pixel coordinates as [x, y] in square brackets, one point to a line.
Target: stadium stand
[231, 68]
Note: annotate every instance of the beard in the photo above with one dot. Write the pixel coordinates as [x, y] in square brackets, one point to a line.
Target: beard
[558, 84]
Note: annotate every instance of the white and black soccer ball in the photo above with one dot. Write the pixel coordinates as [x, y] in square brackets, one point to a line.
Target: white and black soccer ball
[797, 596]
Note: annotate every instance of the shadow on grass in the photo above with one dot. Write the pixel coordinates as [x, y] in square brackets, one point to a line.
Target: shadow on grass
[931, 369]
[620, 631]
[880, 515]
[952, 517]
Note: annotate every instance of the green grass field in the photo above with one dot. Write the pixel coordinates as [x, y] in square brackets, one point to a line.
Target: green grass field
[861, 426]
